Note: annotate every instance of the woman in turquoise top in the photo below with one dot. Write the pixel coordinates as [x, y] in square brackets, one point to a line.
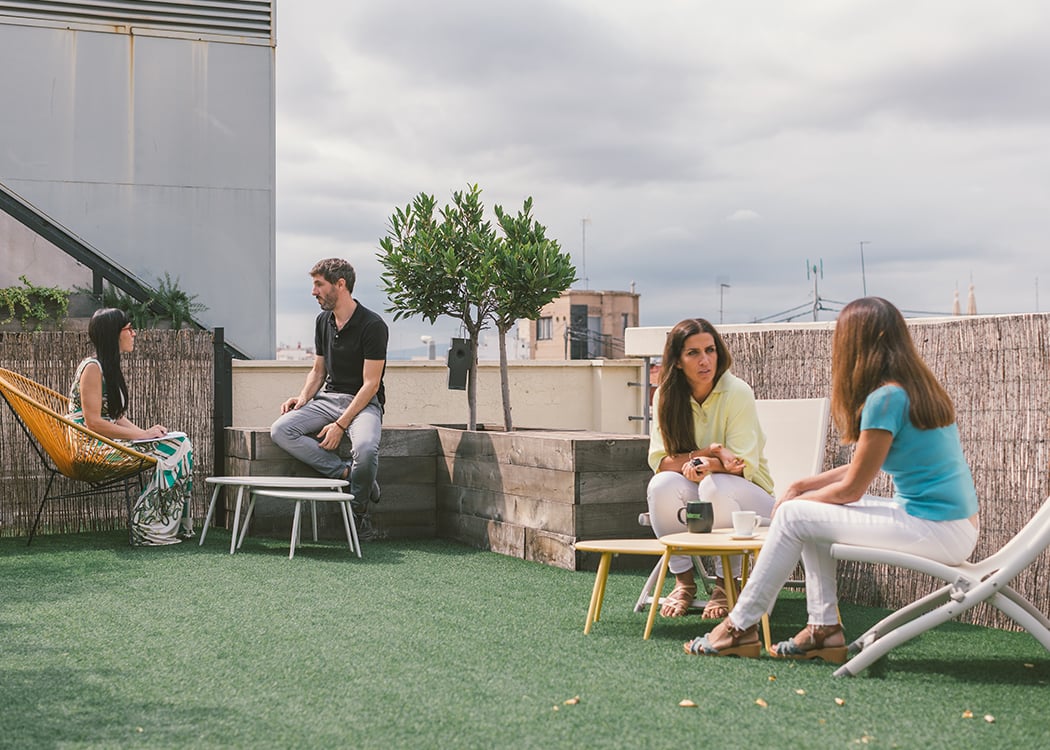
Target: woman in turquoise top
[886, 400]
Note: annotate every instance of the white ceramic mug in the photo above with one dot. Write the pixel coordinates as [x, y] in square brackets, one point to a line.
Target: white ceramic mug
[745, 522]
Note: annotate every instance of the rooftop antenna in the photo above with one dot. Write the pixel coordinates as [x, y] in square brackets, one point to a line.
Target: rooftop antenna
[817, 270]
[583, 228]
[722, 286]
[863, 278]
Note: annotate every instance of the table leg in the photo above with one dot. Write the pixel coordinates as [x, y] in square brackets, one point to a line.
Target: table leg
[210, 515]
[247, 518]
[237, 519]
[295, 528]
[601, 594]
[730, 583]
[346, 526]
[657, 590]
[594, 608]
[348, 514]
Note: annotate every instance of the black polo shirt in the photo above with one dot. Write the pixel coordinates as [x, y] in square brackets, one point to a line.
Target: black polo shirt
[363, 337]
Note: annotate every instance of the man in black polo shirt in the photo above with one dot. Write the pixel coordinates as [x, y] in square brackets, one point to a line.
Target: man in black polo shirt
[350, 358]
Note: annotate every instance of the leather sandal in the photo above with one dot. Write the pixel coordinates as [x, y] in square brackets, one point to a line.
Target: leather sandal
[741, 642]
[678, 602]
[717, 607]
[811, 643]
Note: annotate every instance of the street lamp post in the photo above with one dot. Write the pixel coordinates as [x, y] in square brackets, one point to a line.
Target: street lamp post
[863, 278]
[721, 292]
[583, 249]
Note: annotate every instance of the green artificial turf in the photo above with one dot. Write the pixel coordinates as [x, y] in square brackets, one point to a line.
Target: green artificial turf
[433, 645]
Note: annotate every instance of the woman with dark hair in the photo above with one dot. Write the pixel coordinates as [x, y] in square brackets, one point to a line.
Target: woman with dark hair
[887, 402]
[706, 443]
[98, 399]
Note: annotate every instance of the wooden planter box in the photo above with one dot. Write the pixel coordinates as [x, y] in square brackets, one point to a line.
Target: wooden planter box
[532, 494]
[529, 494]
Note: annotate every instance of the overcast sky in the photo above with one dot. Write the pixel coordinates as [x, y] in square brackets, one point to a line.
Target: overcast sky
[704, 142]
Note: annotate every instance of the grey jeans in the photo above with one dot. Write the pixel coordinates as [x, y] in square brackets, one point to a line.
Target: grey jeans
[296, 432]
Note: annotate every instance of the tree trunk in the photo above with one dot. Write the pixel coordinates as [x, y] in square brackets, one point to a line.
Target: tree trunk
[472, 383]
[504, 381]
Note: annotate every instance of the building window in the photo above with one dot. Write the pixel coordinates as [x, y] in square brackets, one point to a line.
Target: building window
[544, 329]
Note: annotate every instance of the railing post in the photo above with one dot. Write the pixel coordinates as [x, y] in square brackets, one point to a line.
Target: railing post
[222, 416]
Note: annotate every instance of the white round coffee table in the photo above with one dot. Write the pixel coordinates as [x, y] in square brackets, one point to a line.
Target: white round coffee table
[249, 482]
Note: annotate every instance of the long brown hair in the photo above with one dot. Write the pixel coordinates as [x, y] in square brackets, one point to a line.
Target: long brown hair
[104, 331]
[675, 413]
[872, 346]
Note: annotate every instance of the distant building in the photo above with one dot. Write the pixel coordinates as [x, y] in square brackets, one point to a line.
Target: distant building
[296, 353]
[581, 324]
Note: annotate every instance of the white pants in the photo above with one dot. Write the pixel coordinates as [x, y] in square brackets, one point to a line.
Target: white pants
[806, 529]
[669, 491]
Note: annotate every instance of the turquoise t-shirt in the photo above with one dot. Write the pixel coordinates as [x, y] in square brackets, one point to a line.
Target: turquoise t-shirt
[930, 475]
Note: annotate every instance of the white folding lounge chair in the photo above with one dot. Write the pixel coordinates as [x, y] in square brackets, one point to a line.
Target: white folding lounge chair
[966, 586]
[796, 432]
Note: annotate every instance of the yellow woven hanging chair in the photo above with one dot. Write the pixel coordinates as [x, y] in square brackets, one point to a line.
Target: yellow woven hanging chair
[66, 447]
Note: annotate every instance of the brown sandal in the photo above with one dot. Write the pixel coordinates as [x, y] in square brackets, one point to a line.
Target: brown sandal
[811, 643]
[678, 602]
[717, 607]
[741, 642]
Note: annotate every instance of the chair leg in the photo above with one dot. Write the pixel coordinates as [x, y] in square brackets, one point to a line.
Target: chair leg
[698, 566]
[901, 617]
[647, 589]
[127, 503]
[1021, 611]
[902, 634]
[40, 510]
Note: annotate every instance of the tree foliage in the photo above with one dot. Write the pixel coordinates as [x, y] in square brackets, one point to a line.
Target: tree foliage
[452, 262]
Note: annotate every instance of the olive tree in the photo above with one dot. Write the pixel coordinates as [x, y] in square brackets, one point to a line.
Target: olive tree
[452, 262]
[530, 271]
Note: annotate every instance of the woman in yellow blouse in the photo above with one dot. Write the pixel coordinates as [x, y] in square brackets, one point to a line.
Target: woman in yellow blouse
[706, 444]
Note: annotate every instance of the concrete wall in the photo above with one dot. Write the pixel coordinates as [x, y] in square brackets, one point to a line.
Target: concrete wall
[157, 148]
[581, 395]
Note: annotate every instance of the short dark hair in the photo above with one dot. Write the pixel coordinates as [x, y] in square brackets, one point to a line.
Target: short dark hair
[333, 269]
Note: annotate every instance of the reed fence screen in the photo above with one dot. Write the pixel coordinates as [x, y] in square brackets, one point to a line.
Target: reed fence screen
[996, 370]
[170, 382]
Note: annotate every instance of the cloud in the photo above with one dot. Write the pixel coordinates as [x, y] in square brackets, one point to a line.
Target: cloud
[742, 215]
[702, 142]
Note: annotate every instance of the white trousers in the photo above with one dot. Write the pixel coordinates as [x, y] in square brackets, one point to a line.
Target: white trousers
[669, 491]
[803, 529]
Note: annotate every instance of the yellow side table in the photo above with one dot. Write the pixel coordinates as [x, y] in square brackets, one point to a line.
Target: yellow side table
[718, 543]
[607, 548]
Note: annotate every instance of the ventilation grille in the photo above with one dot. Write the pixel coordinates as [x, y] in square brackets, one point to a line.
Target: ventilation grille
[248, 18]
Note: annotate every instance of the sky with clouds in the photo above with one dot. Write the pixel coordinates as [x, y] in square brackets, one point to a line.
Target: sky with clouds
[704, 143]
